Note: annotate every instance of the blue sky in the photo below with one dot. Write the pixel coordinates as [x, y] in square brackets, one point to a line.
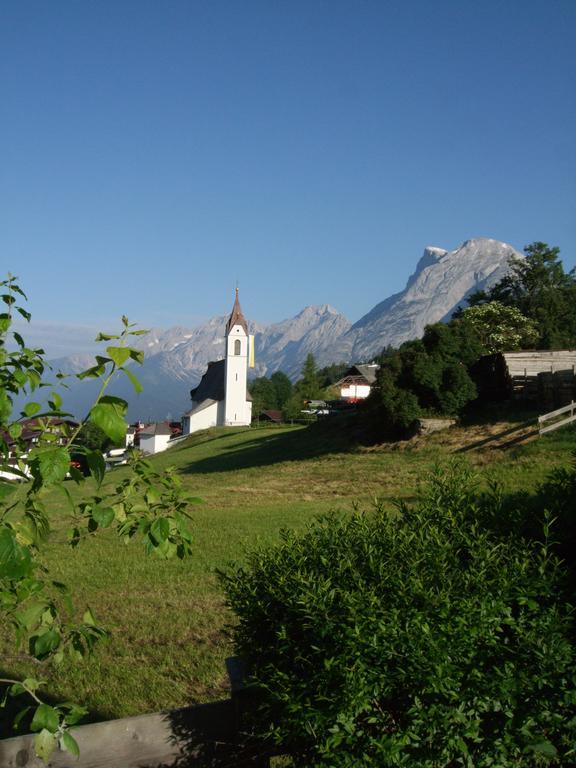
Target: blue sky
[153, 153]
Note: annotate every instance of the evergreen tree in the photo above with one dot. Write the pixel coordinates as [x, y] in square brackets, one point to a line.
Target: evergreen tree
[283, 388]
[309, 386]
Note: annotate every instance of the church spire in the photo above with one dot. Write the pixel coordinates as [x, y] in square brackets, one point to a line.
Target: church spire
[236, 318]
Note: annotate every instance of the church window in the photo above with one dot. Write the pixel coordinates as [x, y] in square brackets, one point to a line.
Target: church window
[237, 346]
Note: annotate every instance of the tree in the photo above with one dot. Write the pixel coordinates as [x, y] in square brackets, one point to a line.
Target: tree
[426, 376]
[283, 388]
[308, 386]
[541, 290]
[93, 438]
[499, 328]
[147, 503]
[263, 395]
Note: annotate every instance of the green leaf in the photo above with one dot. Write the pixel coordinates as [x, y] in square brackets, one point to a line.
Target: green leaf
[88, 617]
[135, 383]
[15, 560]
[103, 516]
[118, 354]
[47, 717]
[69, 743]
[97, 465]
[160, 530]
[43, 645]
[106, 337]
[44, 744]
[545, 748]
[51, 465]
[26, 315]
[31, 615]
[75, 713]
[55, 401]
[137, 355]
[18, 339]
[108, 414]
[6, 488]
[31, 409]
[20, 716]
[15, 430]
[92, 373]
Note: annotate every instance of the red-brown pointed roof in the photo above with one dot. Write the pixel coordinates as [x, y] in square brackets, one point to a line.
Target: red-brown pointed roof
[236, 318]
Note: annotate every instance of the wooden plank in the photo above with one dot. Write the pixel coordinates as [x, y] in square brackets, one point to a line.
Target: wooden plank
[177, 737]
[570, 407]
[557, 425]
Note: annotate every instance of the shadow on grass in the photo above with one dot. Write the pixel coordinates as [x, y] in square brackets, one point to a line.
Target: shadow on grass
[517, 434]
[259, 450]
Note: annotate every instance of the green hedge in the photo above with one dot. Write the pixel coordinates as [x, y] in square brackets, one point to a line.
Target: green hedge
[415, 638]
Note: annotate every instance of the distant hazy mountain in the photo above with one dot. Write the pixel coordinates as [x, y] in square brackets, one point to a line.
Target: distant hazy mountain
[176, 358]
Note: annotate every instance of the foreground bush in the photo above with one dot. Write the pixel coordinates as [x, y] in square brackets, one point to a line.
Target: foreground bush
[418, 638]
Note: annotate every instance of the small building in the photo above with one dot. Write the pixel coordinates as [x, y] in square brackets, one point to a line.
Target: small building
[546, 378]
[154, 438]
[222, 397]
[357, 382]
[274, 417]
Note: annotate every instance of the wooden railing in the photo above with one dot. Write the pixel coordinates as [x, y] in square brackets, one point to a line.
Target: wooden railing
[193, 737]
[554, 417]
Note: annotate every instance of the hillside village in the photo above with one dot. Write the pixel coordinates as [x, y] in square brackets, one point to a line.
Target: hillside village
[543, 379]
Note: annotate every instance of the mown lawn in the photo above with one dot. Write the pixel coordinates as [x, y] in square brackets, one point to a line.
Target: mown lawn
[168, 620]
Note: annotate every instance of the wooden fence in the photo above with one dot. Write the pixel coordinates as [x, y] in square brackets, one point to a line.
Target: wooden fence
[202, 736]
[556, 419]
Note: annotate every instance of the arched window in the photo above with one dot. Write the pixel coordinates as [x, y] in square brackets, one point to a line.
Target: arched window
[237, 346]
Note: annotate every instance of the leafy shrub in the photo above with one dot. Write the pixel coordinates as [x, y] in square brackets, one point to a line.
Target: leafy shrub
[418, 638]
[426, 376]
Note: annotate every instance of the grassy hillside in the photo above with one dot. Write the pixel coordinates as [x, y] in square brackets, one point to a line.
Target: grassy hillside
[168, 619]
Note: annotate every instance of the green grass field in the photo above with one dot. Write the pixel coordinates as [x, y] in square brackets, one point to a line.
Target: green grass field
[168, 619]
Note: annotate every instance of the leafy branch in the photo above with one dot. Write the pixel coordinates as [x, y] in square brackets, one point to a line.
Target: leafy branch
[147, 503]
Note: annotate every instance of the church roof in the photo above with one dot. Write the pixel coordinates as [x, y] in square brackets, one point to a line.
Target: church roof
[237, 318]
[212, 385]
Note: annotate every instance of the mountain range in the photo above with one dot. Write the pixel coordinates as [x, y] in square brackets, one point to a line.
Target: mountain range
[177, 357]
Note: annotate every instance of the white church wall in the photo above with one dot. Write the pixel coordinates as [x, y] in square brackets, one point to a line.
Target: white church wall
[204, 419]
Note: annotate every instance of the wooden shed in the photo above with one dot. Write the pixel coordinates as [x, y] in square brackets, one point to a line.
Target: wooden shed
[543, 377]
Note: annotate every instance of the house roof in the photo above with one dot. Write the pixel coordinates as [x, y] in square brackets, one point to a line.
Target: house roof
[271, 415]
[364, 371]
[159, 428]
[237, 318]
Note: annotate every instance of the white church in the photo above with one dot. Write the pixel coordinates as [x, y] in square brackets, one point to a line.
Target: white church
[222, 398]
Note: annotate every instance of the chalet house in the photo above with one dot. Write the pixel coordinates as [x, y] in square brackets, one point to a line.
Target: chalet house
[357, 382]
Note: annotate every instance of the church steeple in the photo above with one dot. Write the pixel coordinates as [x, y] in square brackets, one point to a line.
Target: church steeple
[236, 318]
